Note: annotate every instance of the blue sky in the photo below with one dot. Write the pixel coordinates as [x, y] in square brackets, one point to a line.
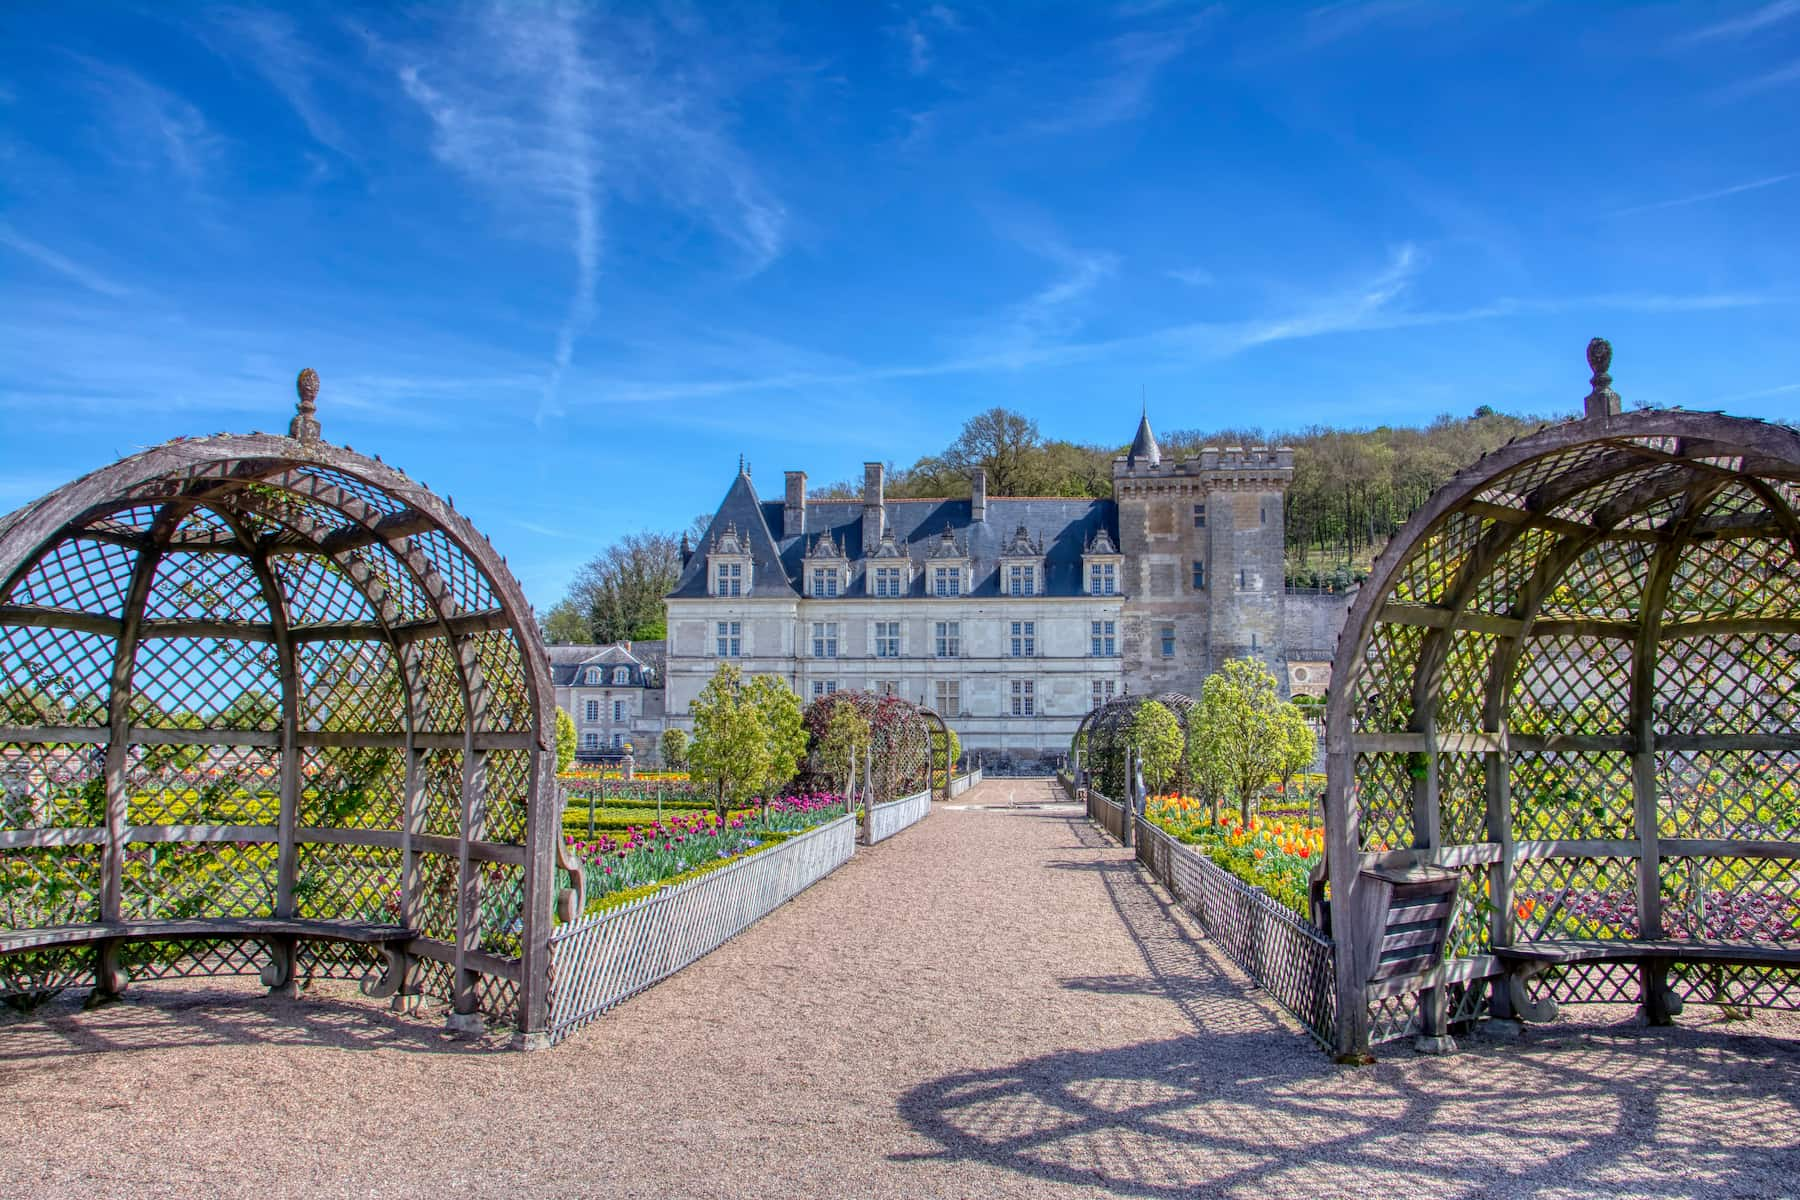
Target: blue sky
[568, 262]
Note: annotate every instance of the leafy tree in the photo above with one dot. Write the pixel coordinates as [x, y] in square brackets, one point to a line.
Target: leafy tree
[620, 592]
[783, 727]
[565, 624]
[1299, 746]
[675, 750]
[1002, 441]
[565, 740]
[846, 735]
[1156, 736]
[1235, 736]
[748, 737]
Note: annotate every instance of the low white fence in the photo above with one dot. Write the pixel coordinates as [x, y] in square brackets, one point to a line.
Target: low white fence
[598, 961]
[885, 820]
[963, 783]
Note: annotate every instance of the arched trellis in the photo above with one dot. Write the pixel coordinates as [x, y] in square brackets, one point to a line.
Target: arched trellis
[264, 702]
[901, 740]
[1100, 739]
[1569, 684]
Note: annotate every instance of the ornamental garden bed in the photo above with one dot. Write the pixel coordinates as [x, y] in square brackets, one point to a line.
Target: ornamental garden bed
[617, 951]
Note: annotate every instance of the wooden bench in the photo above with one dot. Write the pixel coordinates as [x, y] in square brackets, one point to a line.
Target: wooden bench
[281, 933]
[1525, 961]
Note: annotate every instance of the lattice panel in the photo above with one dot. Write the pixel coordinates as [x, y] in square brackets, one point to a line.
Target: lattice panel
[437, 896]
[1431, 571]
[1561, 898]
[503, 674]
[1731, 899]
[1737, 986]
[1591, 983]
[349, 686]
[465, 584]
[1393, 1017]
[352, 787]
[318, 590]
[1729, 684]
[442, 770]
[1469, 936]
[1572, 685]
[1583, 505]
[54, 676]
[1749, 794]
[497, 997]
[192, 959]
[1569, 794]
[205, 683]
[1497, 592]
[1381, 696]
[35, 976]
[401, 588]
[202, 785]
[1730, 578]
[1514, 489]
[79, 575]
[433, 978]
[129, 519]
[335, 960]
[502, 909]
[206, 587]
[1385, 789]
[1462, 798]
[351, 883]
[508, 795]
[441, 677]
[52, 787]
[1462, 691]
[53, 885]
[176, 880]
[1605, 584]
[372, 496]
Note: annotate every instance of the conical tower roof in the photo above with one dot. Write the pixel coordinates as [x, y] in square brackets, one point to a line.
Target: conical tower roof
[1143, 446]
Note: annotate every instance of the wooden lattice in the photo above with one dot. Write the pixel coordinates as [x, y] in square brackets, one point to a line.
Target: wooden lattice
[266, 678]
[1573, 678]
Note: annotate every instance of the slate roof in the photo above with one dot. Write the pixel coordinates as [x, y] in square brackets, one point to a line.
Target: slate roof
[566, 662]
[1064, 526]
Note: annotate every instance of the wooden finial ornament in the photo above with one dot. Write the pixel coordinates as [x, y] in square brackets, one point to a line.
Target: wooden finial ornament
[305, 426]
[1602, 401]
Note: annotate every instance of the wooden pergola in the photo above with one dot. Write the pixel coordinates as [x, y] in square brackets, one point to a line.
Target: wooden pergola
[1564, 732]
[270, 706]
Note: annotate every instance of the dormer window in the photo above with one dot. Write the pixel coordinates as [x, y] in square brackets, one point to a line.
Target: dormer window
[947, 566]
[621, 675]
[593, 676]
[1022, 564]
[827, 570]
[890, 569]
[728, 563]
[1104, 565]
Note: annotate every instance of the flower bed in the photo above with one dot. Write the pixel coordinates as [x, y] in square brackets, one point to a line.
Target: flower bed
[1276, 855]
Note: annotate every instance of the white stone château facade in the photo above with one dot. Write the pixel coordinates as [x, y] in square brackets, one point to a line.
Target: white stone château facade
[1012, 616]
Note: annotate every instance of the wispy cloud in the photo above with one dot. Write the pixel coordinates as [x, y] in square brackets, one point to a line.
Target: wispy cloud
[1715, 194]
[151, 126]
[1751, 22]
[1131, 65]
[1337, 22]
[68, 268]
[1743, 89]
[271, 43]
[916, 32]
[1192, 276]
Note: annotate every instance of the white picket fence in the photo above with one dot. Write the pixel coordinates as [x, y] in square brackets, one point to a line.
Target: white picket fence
[963, 783]
[885, 820]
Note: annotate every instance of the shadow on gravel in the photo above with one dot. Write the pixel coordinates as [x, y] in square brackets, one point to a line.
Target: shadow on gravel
[165, 1018]
[1247, 1104]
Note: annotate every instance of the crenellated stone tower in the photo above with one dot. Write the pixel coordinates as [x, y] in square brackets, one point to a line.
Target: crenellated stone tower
[1204, 553]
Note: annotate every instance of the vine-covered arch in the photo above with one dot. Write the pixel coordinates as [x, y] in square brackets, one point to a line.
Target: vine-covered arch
[1100, 740]
[901, 741]
[1571, 681]
[266, 703]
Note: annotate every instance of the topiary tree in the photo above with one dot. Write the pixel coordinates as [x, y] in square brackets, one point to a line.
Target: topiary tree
[1156, 736]
[675, 750]
[1236, 732]
[565, 741]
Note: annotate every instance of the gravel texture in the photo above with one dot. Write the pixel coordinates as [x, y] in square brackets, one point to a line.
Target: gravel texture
[993, 1003]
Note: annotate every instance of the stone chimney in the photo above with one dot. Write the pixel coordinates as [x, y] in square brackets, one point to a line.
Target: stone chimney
[874, 520]
[978, 495]
[793, 510]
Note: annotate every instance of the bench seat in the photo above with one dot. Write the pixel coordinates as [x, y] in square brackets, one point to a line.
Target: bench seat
[282, 933]
[1527, 960]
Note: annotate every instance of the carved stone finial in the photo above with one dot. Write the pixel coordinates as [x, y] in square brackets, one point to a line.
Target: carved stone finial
[305, 426]
[1602, 401]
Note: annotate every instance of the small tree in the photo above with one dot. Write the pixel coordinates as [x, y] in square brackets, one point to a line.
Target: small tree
[1298, 745]
[1156, 736]
[730, 752]
[565, 740]
[846, 732]
[675, 750]
[1237, 729]
[784, 730]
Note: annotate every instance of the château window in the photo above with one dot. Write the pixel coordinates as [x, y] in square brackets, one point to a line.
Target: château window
[593, 675]
[1199, 516]
[1024, 639]
[949, 697]
[1024, 698]
[1103, 580]
[1199, 576]
[731, 579]
[1168, 641]
[622, 675]
[824, 687]
[887, 582]
[887, 639]
[730, 639]
[825, 639]
[592, 712]
[618, 710]
[946, 581]
[590, 741]
[1021, 581]
[887, 687]
[949, 639]
[1102, 691]
[825, 581]
[1105, 638]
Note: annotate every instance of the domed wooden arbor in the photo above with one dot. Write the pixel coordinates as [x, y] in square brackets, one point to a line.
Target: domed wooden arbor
[1565, 731]
[269, 706]
[1100, 741]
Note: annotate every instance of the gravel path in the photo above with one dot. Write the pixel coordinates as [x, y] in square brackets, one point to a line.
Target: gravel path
[993, 1003]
